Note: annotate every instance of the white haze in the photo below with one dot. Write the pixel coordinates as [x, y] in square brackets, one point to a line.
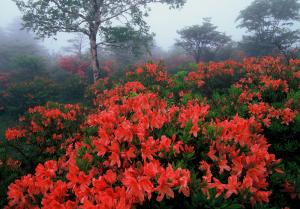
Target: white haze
[163, 22]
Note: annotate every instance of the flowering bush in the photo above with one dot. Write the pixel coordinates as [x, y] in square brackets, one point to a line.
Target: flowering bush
[45, 132]
[74, 65]
[18, 97]
[167, 141]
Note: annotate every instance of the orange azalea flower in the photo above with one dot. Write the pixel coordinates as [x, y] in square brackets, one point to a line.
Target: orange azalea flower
[139, 70]
[223, 165]
[14, 133]
[164, 187]
[288, 116]
[232, 186]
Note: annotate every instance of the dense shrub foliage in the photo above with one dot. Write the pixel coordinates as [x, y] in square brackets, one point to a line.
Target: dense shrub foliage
[32, 81]
[74, 65]
[216, 135]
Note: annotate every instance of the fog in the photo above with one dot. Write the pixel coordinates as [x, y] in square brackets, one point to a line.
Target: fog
[163, 22]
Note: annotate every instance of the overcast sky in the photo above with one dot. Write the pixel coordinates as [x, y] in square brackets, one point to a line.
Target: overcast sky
[163, 22]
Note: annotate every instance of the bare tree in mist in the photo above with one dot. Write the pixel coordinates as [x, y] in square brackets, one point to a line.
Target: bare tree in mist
[77, 45]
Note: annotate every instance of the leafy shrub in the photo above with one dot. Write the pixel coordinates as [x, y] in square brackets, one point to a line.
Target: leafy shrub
[20, 96]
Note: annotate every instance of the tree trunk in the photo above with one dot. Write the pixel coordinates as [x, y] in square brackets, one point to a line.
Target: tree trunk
[197, 58]
[94, 55]
[197, 54]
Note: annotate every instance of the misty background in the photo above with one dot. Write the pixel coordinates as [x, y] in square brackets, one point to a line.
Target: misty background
[61, 68]
[163, 21]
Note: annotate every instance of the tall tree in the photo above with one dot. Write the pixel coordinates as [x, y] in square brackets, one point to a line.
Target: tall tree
[202, 41]
[269, 24]
[90, 17]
